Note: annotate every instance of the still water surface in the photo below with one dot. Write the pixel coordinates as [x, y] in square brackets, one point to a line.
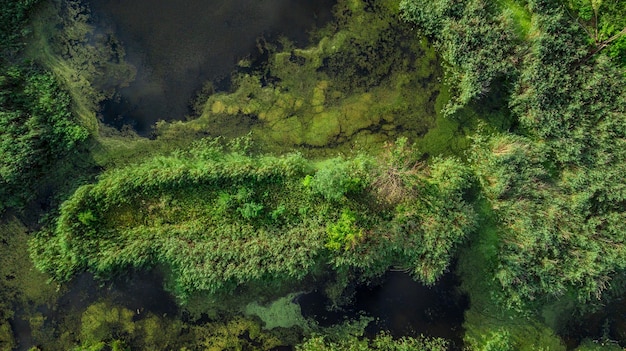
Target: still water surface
[177, 46]
[400, 306]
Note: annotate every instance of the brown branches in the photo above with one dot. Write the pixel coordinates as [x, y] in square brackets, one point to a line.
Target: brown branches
[392, 181]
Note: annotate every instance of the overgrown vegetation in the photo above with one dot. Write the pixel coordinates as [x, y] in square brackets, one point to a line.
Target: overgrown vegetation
[219, 219]
[36, 126]
[555, 188]
[381, 342]
[532, 206]
[36, 130]
[13, 26]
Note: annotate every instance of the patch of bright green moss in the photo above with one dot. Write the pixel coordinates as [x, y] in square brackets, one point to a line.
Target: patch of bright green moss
[283, 313]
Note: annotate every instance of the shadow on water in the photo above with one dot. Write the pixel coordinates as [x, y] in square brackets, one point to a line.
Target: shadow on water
[177, 46]
[401, 306]
[608, 324]
[141, 291]
[137, 291]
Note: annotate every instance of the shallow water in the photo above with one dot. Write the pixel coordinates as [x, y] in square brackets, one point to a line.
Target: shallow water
[137, 291]
[400, 306]
[177, 46]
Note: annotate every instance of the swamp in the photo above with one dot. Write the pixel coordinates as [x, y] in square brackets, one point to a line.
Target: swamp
[312, 175]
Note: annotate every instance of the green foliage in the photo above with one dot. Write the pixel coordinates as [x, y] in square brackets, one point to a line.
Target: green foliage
[6, 336]
[250, 210]
[220, 219]
[596, 345]
[161, 212]
[558, 193]
[424, 228]
[337, 178]
[86, 218]
[438, 222]
[553, 227]
[379, 343]
[474, 37]
[497, 341]
[343, 233]
[13, 19]
[604, 24]
[36, 129]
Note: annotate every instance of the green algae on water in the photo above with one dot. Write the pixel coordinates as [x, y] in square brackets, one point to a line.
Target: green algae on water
[368, 80]
[283, 313]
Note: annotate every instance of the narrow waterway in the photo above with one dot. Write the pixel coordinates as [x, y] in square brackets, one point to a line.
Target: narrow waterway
[177, 46]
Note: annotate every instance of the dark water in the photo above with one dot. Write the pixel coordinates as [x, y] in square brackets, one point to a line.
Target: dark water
[138, 291]
[608, 323]
[179, 45]
[401, 306]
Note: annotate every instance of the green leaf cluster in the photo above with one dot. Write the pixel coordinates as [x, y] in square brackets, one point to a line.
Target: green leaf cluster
[36, 129]
[379, 343]
[343, 233]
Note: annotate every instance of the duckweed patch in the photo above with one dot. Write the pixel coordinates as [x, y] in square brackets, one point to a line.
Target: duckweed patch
[283, 313]
[355, 87]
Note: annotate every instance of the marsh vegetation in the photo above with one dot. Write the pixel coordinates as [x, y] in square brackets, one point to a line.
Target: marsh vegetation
[276, 188]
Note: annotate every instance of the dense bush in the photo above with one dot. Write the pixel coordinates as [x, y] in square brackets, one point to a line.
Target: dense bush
[36, 129]
[561, 194]
[476, 39]
[13, 19]
[558, 191]
[221, 219]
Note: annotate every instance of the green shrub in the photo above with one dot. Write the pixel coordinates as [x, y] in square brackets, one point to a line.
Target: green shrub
[338, 177]
[36, 130]
[382, 342]
[344, 233]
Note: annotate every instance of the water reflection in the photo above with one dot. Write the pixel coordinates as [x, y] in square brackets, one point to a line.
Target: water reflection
[179, 45]
[401, 306]
[141, 292]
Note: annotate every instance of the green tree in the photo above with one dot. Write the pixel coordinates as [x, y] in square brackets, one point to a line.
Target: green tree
[476, 39]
